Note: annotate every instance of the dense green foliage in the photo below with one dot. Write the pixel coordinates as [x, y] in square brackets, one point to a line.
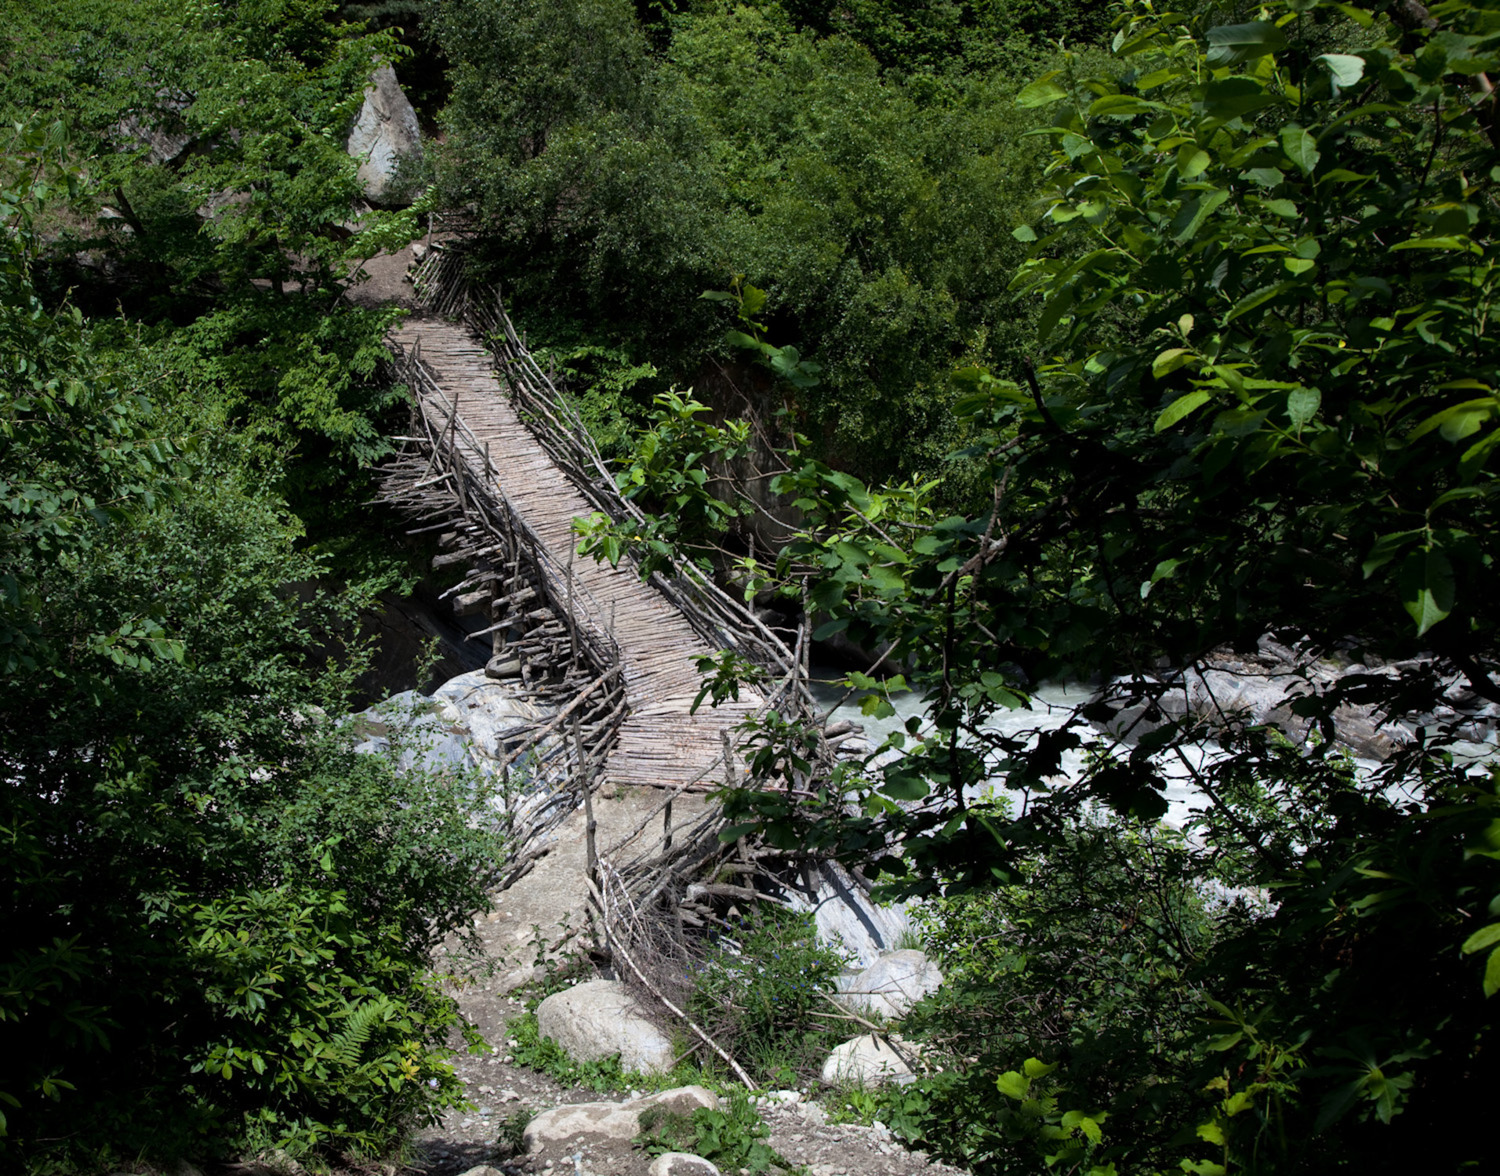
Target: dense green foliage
[761, 991]
[218, 920]
[863, 164]
[1263, 260]
[220, 207]
[1217, 301]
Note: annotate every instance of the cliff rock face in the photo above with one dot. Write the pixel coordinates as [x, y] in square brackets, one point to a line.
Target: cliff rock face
[385, 136]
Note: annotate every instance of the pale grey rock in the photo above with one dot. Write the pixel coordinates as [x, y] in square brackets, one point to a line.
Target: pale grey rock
[891, 986]
[492, 714]
[600, 1018]
[484, 1170]
[865, 1061]
[607, 1120]
[681, 1164]
[385, 136]
[845, 918]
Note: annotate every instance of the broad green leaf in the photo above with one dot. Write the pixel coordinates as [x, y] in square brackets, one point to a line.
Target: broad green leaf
[1266, 177]
[1302, 405]
[1232, 97]
[1492, 973]
[1121, 105]
[1192, 215]
[1301, 147]
[1170, 360]
[1042, 92]
[1192, 161]
[1057, 306]
[1427, 587]
[1446, 243]
[1180, 408]
[1257, 298]
[1232, 44]
[1481, 939]
[1459, 420]
[1344, 69]
[1012, 1085]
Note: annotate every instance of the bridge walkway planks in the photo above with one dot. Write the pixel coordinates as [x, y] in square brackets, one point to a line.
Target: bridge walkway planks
[660, 743]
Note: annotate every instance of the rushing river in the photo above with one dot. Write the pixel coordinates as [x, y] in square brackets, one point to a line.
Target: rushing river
[1050, 708]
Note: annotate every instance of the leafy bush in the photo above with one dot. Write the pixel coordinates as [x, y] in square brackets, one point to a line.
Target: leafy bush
[761, 992]
[218, 919]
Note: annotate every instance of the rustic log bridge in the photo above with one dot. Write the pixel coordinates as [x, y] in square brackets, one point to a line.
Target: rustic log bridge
[501, 465]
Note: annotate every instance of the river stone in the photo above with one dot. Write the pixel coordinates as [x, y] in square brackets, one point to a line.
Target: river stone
[607, 1120]
[891, 985]
[865, 1061]
[599, 1018]
[681, 1164]
[484, 1170]
[492, 714]
[385, 136]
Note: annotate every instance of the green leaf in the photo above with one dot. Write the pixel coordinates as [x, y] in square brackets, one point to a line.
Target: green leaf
[1042, 92]
[1231, 97]
[1171, 359]
[1302, 405]
[1121, 105]
[1492, 973]
[1481, 939]
[1192, 215]
[1301, 147]
[1180, 408]
[1457, 244]
[1427, 587]
[1192, 161]
[1233, 44]
[1344, 69]
[1012, 1085]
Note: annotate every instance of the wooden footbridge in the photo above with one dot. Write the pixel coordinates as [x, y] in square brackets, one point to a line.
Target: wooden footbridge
[498, 466]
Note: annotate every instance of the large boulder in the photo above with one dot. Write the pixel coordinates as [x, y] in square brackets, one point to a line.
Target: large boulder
[891, 985]
[599, 1018]
[386, 139]
[607, 1120]
[865, 1061]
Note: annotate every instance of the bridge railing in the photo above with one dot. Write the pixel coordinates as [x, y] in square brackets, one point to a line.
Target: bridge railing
[720, 619]
[445, 481]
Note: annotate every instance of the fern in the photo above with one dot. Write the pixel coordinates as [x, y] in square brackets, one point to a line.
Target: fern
[345, 1049]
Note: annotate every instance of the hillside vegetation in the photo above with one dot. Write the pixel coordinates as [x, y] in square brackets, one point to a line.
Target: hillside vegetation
[1074, 343]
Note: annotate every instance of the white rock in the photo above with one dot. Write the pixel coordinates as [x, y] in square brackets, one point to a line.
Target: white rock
[891, 985]
[846, 919]
[484, 1170]
[607, 1120]
[599, 1018]
[385, 134]
[681, 1164]
[864, 1061]
[490, 713]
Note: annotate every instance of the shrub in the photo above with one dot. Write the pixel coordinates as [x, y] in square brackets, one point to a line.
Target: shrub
[761, 993]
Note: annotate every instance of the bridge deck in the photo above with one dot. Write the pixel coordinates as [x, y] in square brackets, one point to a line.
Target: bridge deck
[660, 743]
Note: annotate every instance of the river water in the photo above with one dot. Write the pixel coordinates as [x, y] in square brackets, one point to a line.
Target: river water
[1050, 707]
